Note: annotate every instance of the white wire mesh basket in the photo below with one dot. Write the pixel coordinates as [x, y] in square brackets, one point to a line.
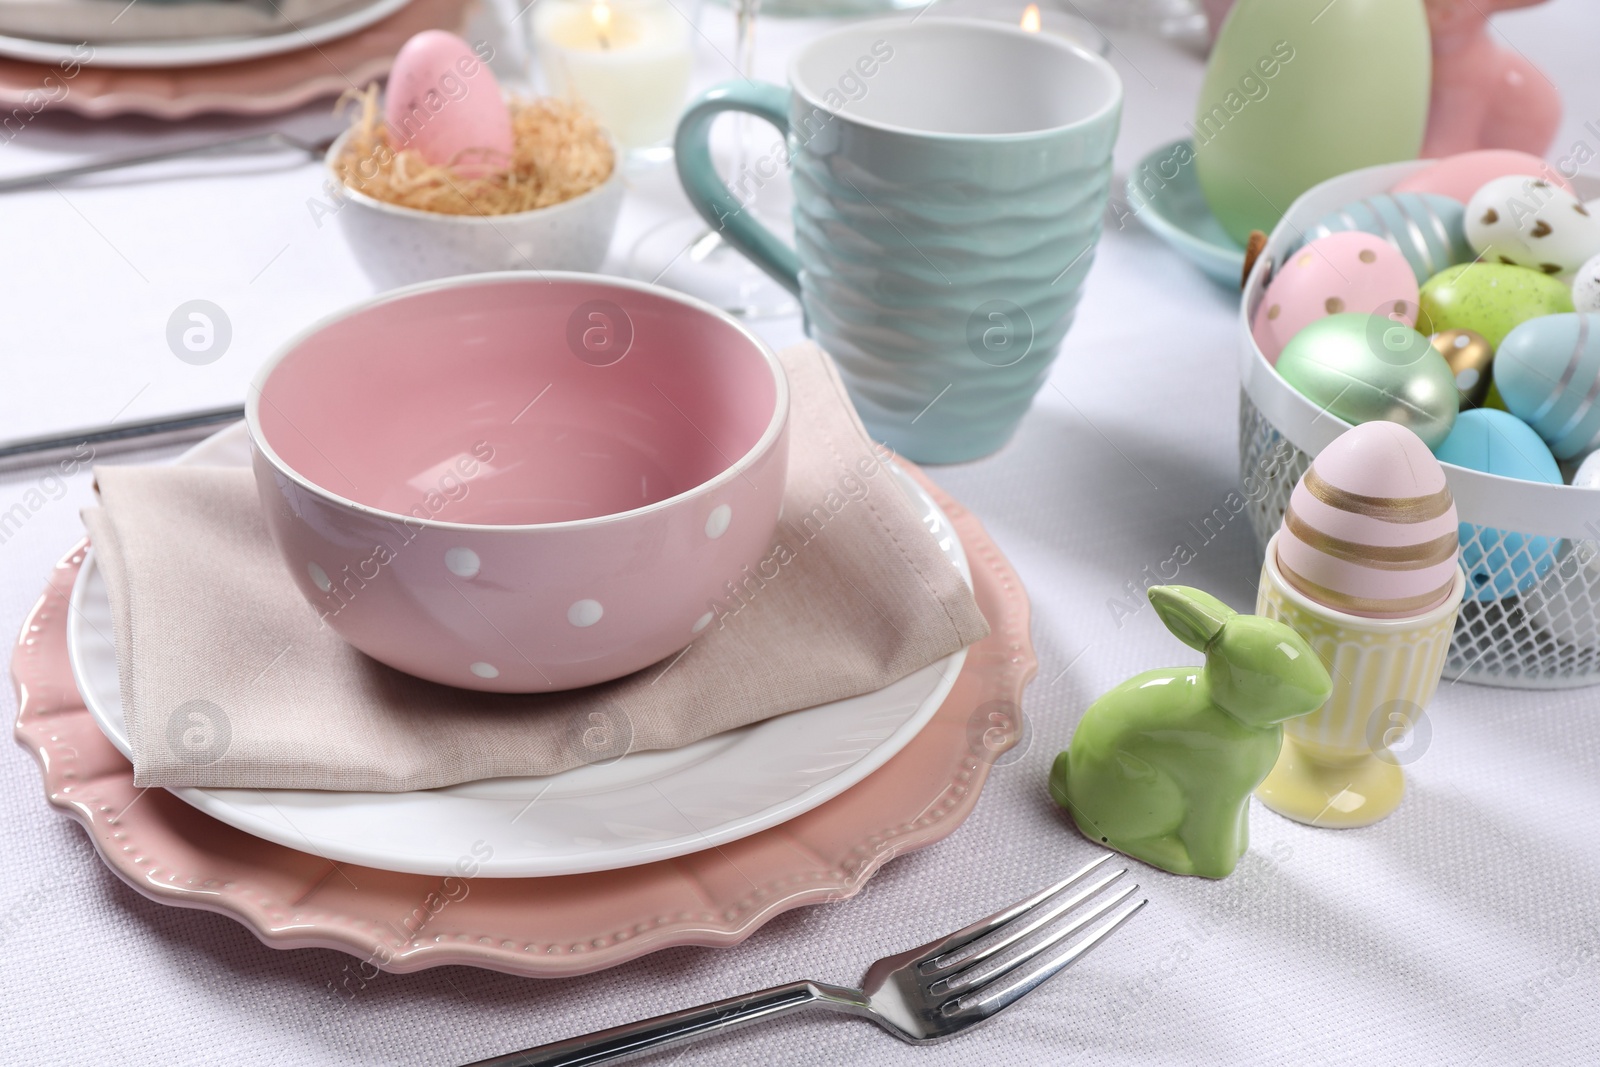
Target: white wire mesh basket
[1531, 619]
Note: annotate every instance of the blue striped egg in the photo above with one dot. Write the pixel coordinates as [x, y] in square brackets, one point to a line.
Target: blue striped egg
[1426, 227]
[1500, 562]
[1548, 371]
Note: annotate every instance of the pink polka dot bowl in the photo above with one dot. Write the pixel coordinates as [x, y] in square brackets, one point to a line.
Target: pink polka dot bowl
[520, 482]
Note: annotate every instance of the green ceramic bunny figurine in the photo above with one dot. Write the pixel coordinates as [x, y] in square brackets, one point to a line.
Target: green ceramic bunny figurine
[1163, 765]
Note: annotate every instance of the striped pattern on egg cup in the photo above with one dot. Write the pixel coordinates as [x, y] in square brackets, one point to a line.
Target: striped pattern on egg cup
[1403, 562]
[1376, 664]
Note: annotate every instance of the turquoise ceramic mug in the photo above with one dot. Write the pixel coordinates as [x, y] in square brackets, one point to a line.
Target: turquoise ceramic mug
[949, 177]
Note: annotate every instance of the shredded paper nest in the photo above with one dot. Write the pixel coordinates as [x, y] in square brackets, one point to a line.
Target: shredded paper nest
[558, 152]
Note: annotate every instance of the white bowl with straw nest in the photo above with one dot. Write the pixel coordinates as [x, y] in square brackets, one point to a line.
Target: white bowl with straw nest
[409, 221]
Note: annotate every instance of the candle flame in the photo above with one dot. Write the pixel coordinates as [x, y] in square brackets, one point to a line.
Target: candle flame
[1030, 18]
[601, 13]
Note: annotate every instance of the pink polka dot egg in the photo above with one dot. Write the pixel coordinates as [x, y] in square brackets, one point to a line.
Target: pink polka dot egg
[1342, 272]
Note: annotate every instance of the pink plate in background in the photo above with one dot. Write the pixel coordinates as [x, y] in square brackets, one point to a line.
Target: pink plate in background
[263, 86]
[539, 927]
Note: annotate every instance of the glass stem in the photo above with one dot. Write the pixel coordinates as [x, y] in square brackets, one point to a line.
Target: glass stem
[744, 55]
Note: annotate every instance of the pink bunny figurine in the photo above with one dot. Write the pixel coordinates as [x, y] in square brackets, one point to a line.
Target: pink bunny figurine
[1484, 96]
[1216, 11]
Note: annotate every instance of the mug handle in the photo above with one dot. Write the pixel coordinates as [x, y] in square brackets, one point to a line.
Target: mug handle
[720, 208]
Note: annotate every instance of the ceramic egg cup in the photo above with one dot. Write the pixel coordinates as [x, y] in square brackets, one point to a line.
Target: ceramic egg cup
[398, 246]
[1510, 641]
[1336, 768]
[520, 482]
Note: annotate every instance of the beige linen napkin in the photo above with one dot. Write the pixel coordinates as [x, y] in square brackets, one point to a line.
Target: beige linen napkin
[228, 678]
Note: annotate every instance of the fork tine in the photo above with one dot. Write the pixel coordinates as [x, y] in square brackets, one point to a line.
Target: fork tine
[930, 953]
[1017, 929]
[966, 980]
[1043, 971]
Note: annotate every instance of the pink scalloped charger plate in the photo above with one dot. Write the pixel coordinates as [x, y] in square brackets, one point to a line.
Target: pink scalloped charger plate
[264, 86]
[539, 927]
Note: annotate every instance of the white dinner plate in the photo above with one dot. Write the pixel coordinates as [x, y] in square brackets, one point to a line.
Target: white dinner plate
[644, 807]
[202, 51]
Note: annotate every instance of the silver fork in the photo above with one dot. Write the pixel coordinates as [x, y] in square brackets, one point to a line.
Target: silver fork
[921, 996]
[314, 150]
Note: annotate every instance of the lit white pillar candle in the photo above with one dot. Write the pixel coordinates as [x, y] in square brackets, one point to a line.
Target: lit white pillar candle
[1030, 17]
[629, 60]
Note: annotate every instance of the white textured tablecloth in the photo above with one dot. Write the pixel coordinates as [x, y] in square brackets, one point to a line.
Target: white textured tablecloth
[1463, 930]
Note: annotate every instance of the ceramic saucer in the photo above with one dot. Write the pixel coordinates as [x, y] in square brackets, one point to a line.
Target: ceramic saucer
[1174, 209]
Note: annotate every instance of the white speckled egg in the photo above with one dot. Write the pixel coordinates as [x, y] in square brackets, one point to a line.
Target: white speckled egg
[1351, 271]
[1528, 222]
[1586, 286]
[1587, 475]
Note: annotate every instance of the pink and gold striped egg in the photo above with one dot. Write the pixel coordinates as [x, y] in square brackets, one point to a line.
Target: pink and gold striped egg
[1371, 528]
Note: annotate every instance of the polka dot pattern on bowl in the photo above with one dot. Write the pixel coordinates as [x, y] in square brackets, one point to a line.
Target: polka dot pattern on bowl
[462, 562]
[718, 521]
[585, 613]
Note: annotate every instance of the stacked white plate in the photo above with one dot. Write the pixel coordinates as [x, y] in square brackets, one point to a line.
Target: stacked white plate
[640, 808]
[176, 33]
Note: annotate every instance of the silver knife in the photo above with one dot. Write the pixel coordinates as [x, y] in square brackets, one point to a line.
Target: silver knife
[116, 437]
[313, 149]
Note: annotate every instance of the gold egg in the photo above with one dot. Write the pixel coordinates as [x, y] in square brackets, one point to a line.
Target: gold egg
[1469, 356]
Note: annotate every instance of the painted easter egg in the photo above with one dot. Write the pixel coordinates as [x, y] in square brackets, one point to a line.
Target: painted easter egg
[1531, 223]
[1471, 360]
[1500, 562]
[1587, 476]
[443, 103]
[1353, 271]
[1459, 176]
[1548, 370]
[1283, 107]
[1371, 528]
[1365, 368]
[1425, 227]
[1490, 299]
[1586, 286]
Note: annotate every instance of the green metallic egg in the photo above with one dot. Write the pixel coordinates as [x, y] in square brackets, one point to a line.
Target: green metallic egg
[1490, 299]
[1367, 367]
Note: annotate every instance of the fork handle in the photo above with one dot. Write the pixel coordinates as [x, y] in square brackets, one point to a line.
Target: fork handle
[622, 1042]
[139, 159]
